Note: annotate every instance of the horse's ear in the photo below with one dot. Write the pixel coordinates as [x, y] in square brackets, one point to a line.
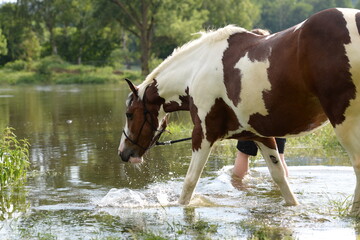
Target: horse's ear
[133, 88]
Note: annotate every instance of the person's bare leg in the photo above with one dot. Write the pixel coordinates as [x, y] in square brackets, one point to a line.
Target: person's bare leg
[241, 165]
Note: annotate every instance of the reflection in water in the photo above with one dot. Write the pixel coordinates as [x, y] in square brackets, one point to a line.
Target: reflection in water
[12, 202]
[78, 185]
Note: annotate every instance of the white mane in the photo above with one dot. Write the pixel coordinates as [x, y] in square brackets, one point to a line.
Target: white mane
[206, 37]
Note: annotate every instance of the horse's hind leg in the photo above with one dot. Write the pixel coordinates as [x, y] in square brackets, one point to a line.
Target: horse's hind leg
[348, 134]
[271, 155]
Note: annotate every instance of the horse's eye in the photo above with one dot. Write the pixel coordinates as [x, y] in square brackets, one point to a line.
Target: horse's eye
[129, 116]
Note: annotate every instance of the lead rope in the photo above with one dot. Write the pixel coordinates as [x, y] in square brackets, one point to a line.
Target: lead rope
[172, 141]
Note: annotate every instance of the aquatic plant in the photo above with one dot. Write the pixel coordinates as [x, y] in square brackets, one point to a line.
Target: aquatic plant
[340, 207]
[14, 158]
[262, 230]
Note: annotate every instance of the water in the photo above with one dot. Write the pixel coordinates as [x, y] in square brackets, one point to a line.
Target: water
[79, 189]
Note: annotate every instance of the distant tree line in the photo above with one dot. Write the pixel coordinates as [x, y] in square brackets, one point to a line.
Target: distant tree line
[128, 32]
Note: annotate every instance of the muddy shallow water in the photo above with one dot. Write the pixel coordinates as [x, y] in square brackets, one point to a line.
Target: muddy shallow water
[78, 188]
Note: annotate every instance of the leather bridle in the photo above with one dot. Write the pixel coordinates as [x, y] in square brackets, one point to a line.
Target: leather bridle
[152, 125]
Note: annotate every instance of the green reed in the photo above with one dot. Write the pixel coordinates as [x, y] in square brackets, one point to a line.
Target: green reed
[14, 158]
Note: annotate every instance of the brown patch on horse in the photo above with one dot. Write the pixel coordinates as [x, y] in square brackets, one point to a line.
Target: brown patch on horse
[326, 63]
[152, 95]
[232, 75]
[220, 120]
[175, 106]
[198, 133]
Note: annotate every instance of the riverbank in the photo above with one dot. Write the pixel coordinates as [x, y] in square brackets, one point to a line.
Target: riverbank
[53, 70]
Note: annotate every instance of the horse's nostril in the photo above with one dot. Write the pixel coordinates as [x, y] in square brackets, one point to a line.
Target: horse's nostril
[124, 157]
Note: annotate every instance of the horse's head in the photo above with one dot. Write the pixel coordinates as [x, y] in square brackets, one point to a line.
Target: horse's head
[144, 124]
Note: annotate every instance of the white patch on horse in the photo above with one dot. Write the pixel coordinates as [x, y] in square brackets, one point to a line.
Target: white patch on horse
[271, 35]
[207, 83]
[254, 81]
[128, 100]
[349, 130]
[297, 27]
[122, 140]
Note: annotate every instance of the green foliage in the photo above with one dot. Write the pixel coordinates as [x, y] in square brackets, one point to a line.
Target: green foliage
[17, 65]
[278, 15]
[245, 13]
[3, 44]
[121, 33]
[30, 45]
[12, 28]
[14, 158]
[54, 70]
[47, 64]
[183, 18]
[121, 57]
[132, 75]
[323, 138]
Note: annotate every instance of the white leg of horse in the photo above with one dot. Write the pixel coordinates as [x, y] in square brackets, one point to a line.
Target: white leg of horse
[277, 172]
[198, 161]
[355, 209]
[349, 136]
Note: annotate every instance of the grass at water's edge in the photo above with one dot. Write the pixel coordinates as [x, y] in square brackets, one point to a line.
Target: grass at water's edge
[321, 143]
[53, 70]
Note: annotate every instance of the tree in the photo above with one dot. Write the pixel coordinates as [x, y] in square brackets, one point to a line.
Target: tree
[178, 21]
[147, 18]
[12, 28]
[138, 17]
[50, 14]
[82, 19]
[30, 46]
[276, 14]
[3, 44]
[325, 4]
[244, 13]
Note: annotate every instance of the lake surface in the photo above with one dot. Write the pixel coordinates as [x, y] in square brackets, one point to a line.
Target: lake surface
[78, 188]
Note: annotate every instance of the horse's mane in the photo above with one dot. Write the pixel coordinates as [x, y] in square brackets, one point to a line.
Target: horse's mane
[205, 37]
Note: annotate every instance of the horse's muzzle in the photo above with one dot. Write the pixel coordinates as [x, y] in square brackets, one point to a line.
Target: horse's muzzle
[129, 156]
[124, 155]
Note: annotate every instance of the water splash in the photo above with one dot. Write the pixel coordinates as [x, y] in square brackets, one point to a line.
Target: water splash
[156, 195]
[221, 190]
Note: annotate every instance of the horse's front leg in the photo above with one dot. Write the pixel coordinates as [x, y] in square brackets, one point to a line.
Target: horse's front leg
[198, 161]
[271, 155]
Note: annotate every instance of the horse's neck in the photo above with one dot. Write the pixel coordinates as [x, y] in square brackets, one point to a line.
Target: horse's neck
[173, 83]
[193, 68]
[175, 94]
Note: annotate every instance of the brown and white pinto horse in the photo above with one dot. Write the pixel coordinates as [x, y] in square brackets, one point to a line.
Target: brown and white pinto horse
[239, 84]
